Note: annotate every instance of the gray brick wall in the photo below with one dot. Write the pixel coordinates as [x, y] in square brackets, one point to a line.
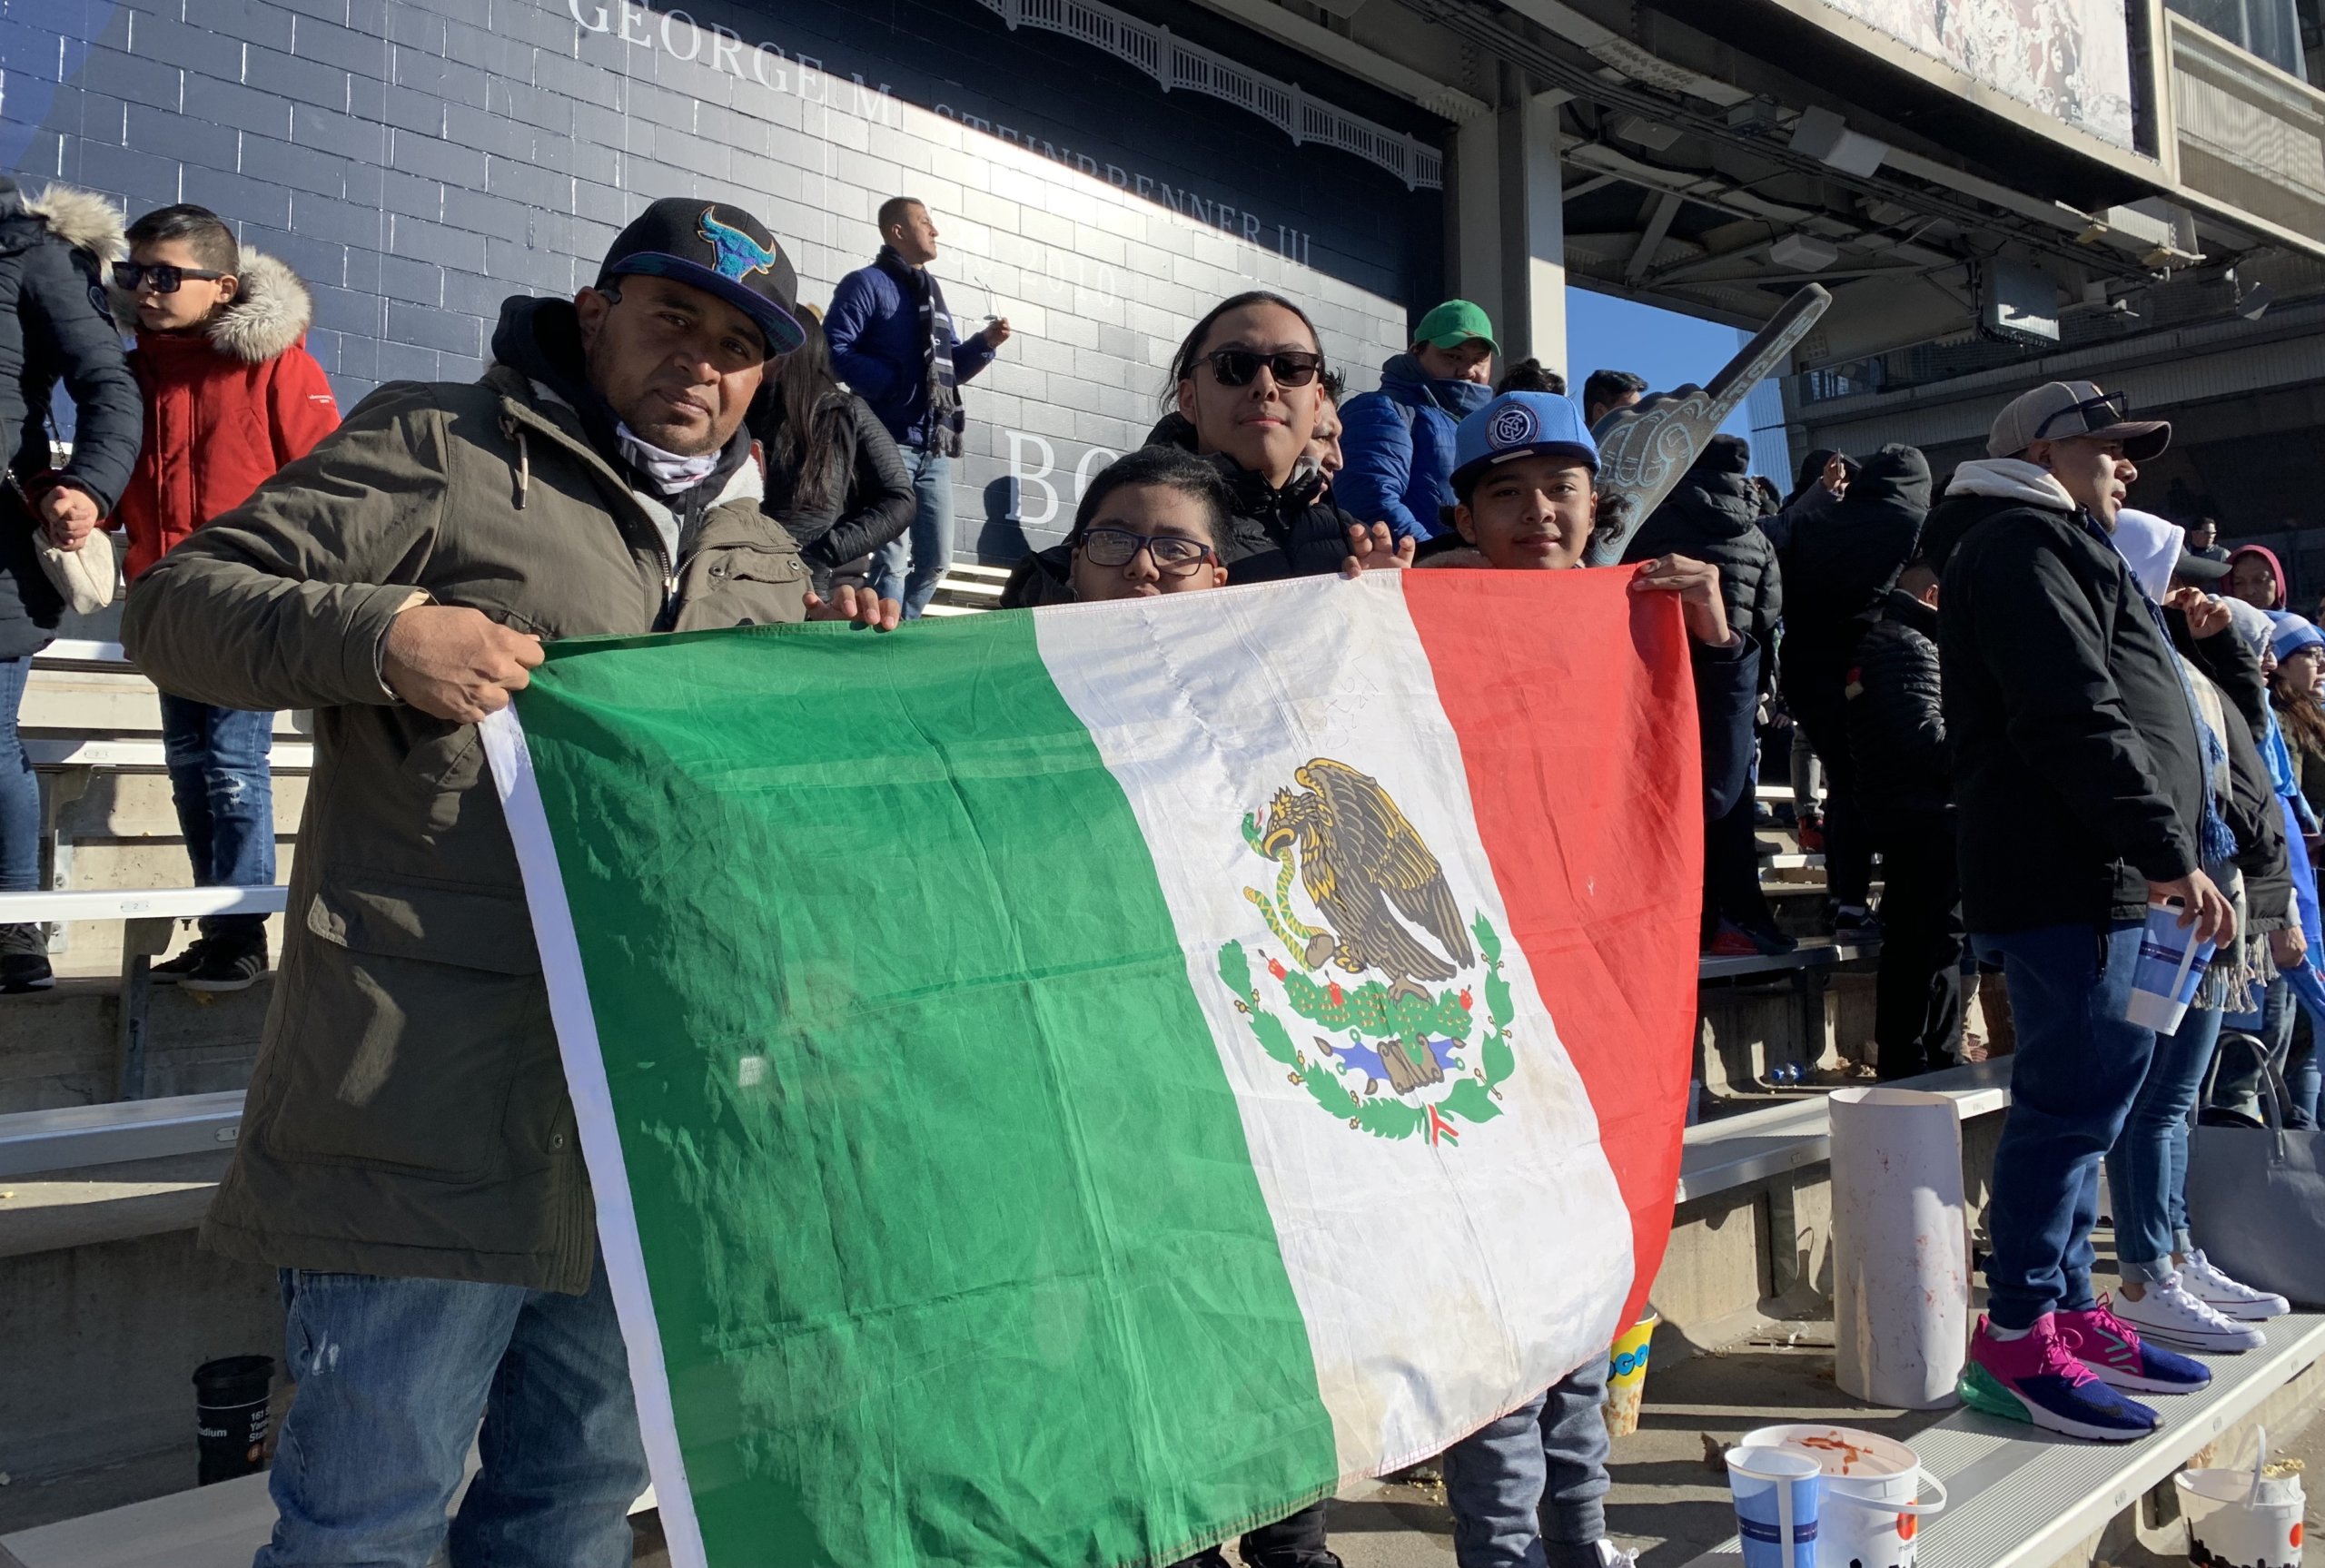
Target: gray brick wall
[418, 167]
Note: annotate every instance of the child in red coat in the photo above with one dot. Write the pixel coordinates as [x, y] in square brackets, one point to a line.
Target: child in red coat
[231, 395]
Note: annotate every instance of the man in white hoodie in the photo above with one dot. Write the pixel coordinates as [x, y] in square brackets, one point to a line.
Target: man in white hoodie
[2082, 795]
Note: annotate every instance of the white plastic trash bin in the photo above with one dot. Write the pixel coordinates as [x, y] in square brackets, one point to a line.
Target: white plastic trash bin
[1900, 1264]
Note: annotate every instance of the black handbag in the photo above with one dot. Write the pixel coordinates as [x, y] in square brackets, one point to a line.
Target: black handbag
[2256, 1200]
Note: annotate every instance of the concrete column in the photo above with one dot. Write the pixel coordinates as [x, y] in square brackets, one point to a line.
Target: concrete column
[1474, 264]
[1531, 317]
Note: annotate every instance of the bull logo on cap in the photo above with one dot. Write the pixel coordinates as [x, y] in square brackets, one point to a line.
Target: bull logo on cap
[739, 255]
[1513, 427]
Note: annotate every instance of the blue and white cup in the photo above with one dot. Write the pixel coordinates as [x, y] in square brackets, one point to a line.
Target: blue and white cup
[1777, 1491]
[2172, 966]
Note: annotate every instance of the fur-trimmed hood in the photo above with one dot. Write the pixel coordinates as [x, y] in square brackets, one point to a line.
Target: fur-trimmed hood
[82, 218]
[271, 315]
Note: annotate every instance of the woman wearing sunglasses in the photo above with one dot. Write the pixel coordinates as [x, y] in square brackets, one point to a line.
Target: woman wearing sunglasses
[1248, 386]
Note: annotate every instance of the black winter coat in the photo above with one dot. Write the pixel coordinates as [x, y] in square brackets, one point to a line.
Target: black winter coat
[1713, 516]
[1294, 532]
[867, 496]
[1838, 564]
[2076, 765]
[1896, 714]
[56, 327]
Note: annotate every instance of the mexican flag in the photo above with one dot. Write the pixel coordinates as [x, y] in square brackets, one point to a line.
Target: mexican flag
[1065, 1087]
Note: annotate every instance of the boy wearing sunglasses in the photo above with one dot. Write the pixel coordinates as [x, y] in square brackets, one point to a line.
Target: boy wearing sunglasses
[231, 395]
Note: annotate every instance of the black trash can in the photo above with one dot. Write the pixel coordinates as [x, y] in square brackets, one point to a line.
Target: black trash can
[230, 1415]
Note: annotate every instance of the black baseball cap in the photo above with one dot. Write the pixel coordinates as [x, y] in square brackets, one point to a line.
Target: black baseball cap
[721, 249]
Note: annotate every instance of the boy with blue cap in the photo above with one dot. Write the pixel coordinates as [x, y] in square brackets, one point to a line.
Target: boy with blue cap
[1527, 1490]
[1524, 477]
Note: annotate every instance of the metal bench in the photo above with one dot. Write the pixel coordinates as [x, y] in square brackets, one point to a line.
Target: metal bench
[146, 916]
[2019, 1498]
[967, 589]
[1736, 1150]
[218, 1527]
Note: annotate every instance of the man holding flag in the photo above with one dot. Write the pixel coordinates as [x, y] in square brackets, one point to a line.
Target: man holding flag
[407, 1160]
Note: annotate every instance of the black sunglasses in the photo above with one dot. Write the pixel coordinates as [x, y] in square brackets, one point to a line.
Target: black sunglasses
[127, 276]
[1241, 366]
[1174, 554]
[2109, 409]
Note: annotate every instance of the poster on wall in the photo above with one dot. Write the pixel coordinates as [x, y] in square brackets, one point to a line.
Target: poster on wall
[2069, 59]
[1099, 177]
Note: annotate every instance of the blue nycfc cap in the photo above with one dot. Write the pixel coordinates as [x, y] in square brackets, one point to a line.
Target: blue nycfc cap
[1520, 425]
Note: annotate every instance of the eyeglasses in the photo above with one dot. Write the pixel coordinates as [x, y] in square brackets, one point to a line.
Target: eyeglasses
[129, 276]
[1241, 366]
[1174, 554]
[2113, 408]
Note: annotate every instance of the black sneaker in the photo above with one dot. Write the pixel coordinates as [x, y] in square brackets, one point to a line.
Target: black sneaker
[178, 968]
[1855, 923]
[24, 971]
[226, 965]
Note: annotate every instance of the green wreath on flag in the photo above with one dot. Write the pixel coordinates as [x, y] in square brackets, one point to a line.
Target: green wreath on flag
[1372, 1018]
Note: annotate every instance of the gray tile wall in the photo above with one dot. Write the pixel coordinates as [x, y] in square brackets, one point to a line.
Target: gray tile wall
[416, 160]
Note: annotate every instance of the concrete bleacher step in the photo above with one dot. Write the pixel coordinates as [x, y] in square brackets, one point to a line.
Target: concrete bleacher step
[2020, 1498]
[62, 1045]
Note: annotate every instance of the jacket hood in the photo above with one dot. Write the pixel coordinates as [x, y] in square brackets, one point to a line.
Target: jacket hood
[270, 317]
[2276, 572]
[82, 218]
[1403, 378]
[1896, 475]
[1173, 429]
[1898, 606]
[1716, 494]
[2012, 480]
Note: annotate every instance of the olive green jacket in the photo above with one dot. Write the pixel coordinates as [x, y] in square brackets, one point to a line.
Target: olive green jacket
[407, 1114]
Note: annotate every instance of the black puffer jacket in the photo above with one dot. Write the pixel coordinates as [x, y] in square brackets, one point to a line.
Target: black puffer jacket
[1294, 532]
[55, 327]
[1713, 516]
[867, 497]
[1896, 714]
[2076, 759]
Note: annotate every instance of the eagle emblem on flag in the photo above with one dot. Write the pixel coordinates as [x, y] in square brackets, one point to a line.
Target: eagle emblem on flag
[1394, 1056]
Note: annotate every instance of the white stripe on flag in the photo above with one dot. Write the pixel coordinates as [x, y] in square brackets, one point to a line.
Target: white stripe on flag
[1511, 1250]
[593, 1112]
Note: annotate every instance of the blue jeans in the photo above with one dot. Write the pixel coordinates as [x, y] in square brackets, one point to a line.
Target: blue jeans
[2078, 1070]
[1528, 1489]
[225, 799]
[394, 1376]
[928, 543]
[2147, 1170]
[19, 790]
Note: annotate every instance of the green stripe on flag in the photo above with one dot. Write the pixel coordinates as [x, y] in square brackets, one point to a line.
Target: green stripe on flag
[955, 1244]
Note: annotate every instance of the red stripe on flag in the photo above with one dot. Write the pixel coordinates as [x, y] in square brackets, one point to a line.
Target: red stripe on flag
[1576, 711]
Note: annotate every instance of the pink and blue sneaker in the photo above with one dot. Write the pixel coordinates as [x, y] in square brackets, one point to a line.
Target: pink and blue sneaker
[2035, 1378]
[2113, 1349]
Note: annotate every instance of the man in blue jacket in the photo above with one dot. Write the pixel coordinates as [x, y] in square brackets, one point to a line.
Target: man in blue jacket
[894, 343]
[1399, 441]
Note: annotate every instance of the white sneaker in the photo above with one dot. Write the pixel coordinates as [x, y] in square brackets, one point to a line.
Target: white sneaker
[1613, 1556]
[2236, 1302]
[2168, 1315]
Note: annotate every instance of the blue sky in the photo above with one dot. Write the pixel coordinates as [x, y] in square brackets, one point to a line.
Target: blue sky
[1603, 332]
